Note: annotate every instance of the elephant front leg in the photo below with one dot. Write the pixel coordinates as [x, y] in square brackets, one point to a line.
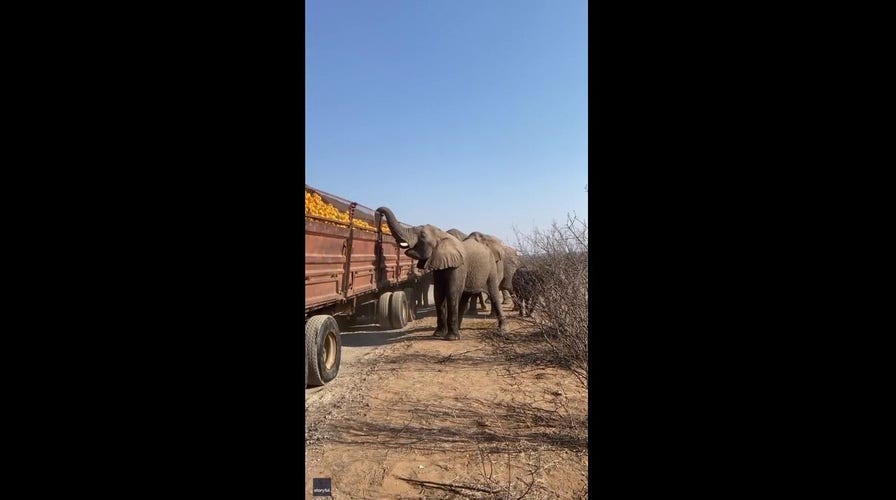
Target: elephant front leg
[470, 309]
[441, 328]
[453, 318]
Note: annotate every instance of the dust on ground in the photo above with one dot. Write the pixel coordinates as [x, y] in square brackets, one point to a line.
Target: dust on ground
[414, 416]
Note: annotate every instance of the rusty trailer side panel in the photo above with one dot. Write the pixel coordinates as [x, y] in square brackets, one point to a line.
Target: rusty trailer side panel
[324, 263]
[342, 263]
[363, 266]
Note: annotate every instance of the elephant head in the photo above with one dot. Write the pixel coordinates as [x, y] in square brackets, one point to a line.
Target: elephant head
[457, 234]
[433, 248]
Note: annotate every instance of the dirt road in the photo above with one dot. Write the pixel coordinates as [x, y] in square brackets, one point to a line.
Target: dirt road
[413, 416]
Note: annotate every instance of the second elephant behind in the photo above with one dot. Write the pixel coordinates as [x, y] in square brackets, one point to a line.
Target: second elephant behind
[509, 262]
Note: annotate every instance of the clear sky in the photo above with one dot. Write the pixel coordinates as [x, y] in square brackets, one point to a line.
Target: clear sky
[467, 114]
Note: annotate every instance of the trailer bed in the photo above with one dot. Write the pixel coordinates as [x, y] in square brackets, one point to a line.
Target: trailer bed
[345, 263]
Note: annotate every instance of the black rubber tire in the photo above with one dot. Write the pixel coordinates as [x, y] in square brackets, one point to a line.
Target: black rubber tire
[323, 343]
[412, 304]
[398, 309]
[382, 311]
[310, 349]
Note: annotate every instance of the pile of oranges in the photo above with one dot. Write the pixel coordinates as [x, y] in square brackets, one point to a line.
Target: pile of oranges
[315, 205]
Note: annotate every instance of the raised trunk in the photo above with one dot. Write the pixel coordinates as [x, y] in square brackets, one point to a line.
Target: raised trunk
[398, 231]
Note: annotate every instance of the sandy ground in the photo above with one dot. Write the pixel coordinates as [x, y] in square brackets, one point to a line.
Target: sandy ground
[413, 416]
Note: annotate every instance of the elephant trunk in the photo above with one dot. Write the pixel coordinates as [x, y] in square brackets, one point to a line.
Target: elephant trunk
[398, 232]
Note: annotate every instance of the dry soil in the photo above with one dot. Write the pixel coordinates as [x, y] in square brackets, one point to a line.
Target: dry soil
[414, 416]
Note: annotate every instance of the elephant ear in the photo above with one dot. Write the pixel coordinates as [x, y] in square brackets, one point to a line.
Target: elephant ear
[448, 253]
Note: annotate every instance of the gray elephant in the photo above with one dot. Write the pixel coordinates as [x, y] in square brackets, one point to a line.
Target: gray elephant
[497, 248]
[460, 269]
[510, 262]
[511, 265]
[457, 233]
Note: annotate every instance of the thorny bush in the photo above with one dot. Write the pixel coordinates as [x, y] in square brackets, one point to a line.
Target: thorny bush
[560, 256]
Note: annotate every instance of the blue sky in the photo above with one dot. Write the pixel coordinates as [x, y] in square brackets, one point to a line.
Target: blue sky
[467, 114]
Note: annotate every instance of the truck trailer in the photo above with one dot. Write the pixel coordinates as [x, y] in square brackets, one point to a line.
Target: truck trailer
[355, 273]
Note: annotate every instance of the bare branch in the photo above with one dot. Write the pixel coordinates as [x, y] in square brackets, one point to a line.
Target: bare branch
[560, 256]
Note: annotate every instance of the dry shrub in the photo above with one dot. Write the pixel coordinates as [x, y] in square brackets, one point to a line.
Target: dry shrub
[560, 256]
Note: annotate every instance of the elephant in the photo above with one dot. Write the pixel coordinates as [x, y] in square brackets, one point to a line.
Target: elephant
[528, 285]
[457, 233]
[511, 265]
[510, 262]
[497, 248]
[460, 269]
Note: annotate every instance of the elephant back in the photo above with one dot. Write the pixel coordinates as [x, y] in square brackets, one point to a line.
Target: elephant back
[495, 245]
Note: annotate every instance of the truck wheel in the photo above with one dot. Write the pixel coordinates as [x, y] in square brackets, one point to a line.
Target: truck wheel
[306, 367]
[324, 347]
[398, 309]
[382, 311]
[412, 304]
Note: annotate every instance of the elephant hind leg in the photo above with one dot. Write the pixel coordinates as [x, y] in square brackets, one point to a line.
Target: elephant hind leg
[462, 306]
[496, 306]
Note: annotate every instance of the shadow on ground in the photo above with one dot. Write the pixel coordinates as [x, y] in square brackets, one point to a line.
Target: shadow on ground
[462, 358]
[368, 338]
[368, 335]
[466, 424]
